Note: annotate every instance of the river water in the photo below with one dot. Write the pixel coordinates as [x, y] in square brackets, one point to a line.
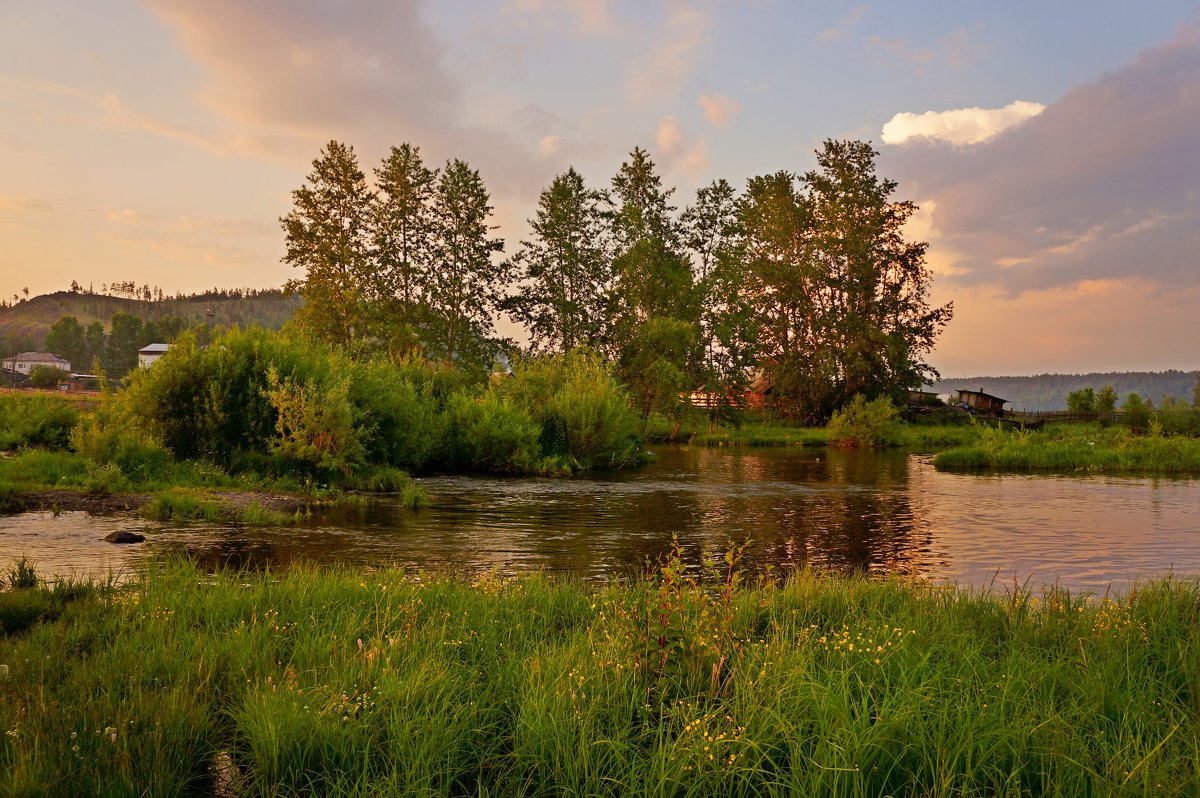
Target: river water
[829, 508]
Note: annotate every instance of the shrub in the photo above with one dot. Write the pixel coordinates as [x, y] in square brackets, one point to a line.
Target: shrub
[1178, 417]
[35, 421]
[582, 410]
[863, 423]
[315, 424]
[46, 376]
[1137, 413]
[1082, 400]
[487, 434]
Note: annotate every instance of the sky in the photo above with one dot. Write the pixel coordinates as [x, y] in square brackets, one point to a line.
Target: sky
[1054, 148]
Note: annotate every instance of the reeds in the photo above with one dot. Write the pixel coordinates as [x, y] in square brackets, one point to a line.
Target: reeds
[345, 682]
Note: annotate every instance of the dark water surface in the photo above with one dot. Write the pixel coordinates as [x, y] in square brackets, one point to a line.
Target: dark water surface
[833, 509]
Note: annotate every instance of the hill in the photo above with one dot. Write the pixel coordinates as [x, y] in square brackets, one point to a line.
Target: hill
[29, 321]
[1049, 391]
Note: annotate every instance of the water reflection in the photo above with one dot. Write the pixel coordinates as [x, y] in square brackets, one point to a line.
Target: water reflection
[833, 509]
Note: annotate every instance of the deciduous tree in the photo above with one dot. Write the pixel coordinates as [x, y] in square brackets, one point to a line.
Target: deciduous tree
[565, 270]
[327, 235]
[466, 281]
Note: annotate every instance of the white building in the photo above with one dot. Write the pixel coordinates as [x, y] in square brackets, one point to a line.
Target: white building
[24, 362]
[150, 353]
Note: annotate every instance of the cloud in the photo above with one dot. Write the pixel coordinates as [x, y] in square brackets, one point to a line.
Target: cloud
[685, 30]
[592, 16]
[718, 109]
[17, 204]
[679, 149]
[955, 49]
[1102, 185]
[288, 75]
[115, 114]
[844, 24]
[960, 126]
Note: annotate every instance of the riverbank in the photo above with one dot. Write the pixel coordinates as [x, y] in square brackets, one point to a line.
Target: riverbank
[382, 683]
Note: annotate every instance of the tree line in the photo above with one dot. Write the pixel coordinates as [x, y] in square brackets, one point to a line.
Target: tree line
[804, 279]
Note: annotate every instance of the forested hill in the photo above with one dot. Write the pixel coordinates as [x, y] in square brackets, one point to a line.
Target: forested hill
[1049, 391]
[29, 321]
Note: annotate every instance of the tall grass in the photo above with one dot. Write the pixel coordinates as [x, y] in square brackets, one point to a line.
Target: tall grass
[349, 683]
[1065, 449]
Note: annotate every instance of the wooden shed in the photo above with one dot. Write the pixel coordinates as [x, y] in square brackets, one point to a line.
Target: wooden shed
[981, 402]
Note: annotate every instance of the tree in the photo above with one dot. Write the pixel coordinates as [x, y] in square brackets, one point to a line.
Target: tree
[654, 312]
[1081, 401]
[403, 244]
[565, 271]
[327, 235]
[125, 339]
[466, 283]
[1136, 412]
[783, 286]
[68, 340]
[844, 294]
[727, 329]
[94, 336]
[1106, 404]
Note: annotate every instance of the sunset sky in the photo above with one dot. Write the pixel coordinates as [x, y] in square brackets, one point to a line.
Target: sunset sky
[1054, 147]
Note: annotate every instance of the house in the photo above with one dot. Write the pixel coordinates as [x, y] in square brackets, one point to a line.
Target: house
[150, 353]
[980, 402]
[25, 362]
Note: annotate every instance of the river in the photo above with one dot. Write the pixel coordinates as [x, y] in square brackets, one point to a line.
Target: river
[835, 509]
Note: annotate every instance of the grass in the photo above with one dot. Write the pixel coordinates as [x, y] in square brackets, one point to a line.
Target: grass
[342, 682]
[1072, 448]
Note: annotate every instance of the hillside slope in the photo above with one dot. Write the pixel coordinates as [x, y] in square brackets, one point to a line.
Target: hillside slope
[33, 318]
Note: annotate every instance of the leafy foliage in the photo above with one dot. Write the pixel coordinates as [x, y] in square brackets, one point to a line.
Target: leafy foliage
[865, 423]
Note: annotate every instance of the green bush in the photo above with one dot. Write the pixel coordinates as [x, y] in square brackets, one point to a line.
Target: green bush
[395, 413]
[1136, 413]
[582, 410]
[863, 423]
[36, 421]
[487, 433]
[43, 376]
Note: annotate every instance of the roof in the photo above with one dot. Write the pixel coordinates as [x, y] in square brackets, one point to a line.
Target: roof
[154, 349]
[981, 393]
[38, 357]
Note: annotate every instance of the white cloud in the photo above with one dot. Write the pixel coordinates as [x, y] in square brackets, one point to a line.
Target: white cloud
[718, 109]
[960, 126]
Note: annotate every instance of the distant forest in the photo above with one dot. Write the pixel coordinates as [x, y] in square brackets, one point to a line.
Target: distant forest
[1049, 391]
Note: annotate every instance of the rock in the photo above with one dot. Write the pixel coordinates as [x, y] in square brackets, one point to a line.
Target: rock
[124, 537]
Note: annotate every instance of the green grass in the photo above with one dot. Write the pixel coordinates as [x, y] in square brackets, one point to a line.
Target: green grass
[1074, 449]
[342, 682]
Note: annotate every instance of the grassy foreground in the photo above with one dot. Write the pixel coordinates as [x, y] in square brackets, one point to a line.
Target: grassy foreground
[1075, 448]
[353, 683]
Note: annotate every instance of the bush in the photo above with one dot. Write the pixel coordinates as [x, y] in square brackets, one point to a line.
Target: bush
[1136, 413]
[35, 421]
[46, 376]
[863, 423]
[487, 434]
[582, 410]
